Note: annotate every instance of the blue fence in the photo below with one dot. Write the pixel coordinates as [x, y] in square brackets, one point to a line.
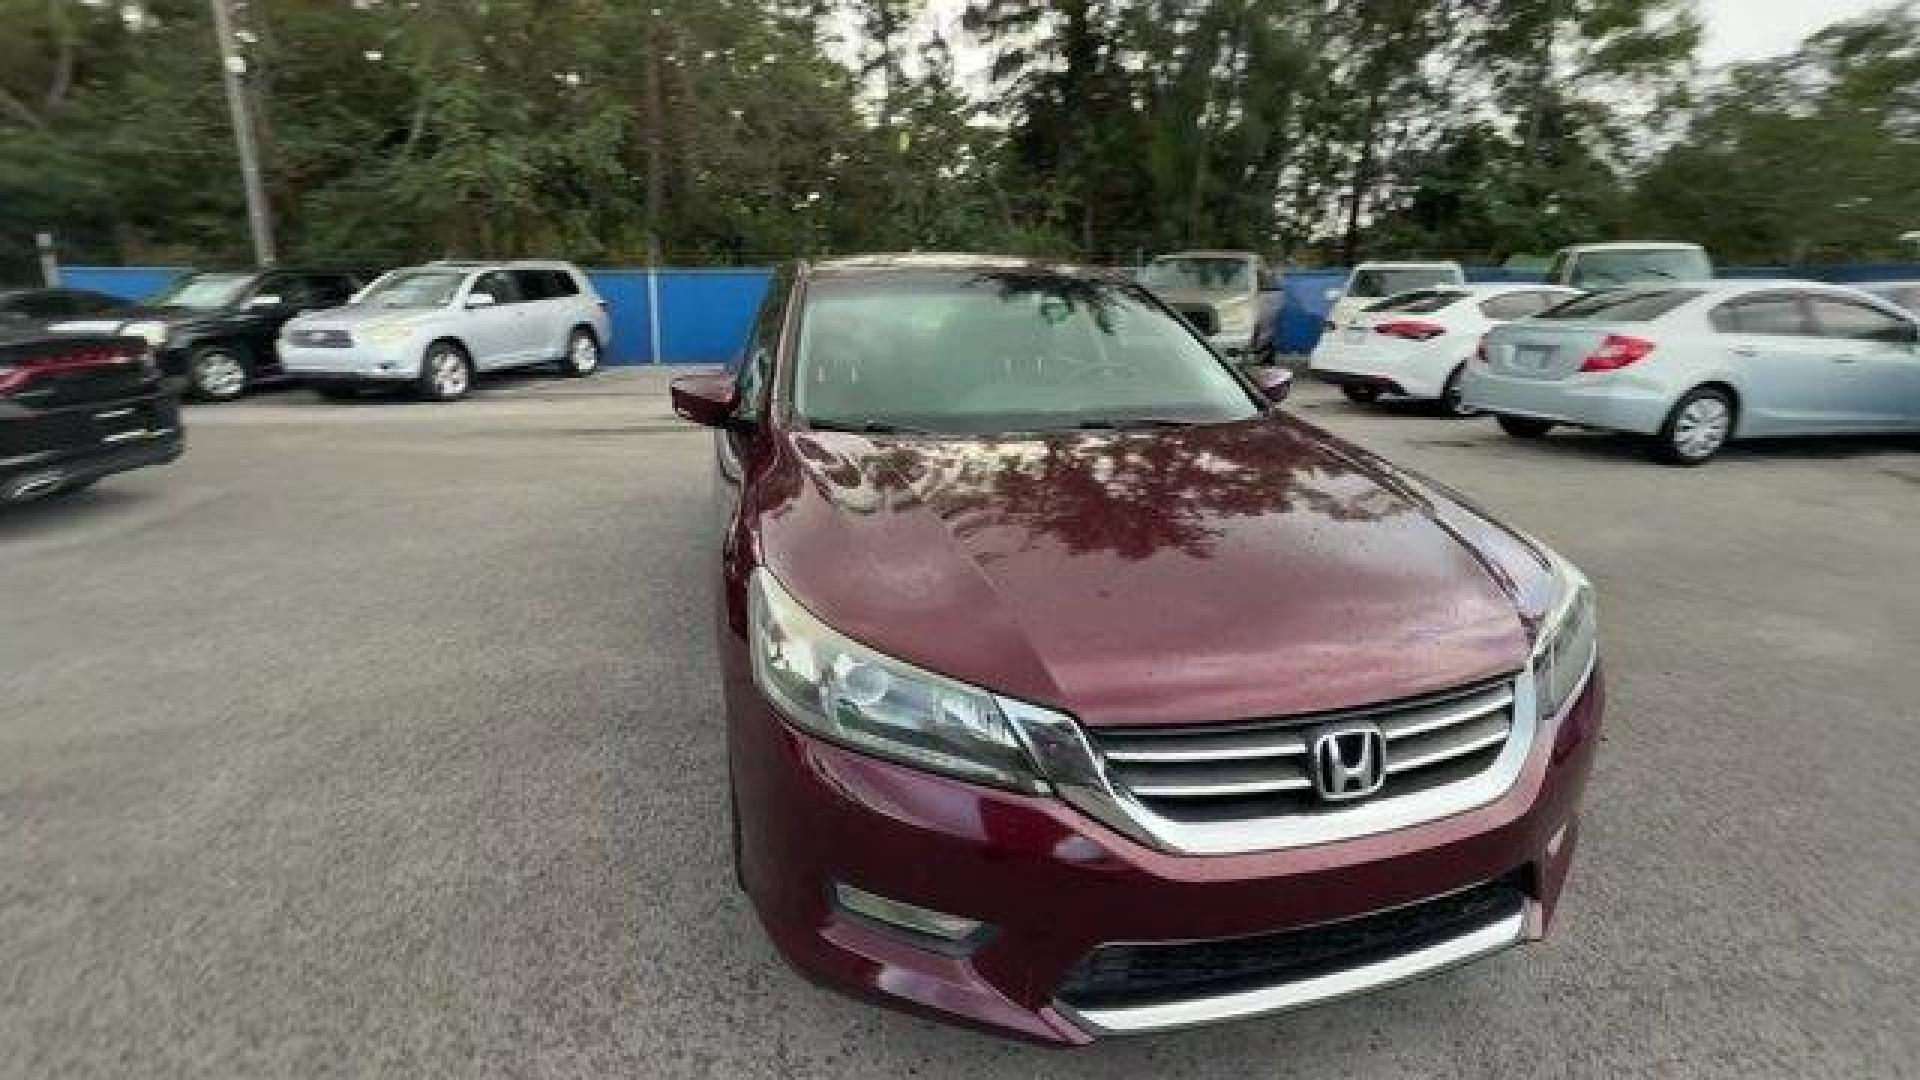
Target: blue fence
[705, 313]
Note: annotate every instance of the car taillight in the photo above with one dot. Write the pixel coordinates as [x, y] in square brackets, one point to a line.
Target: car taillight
[18, 372]
[1616, 352]
[1410, 329]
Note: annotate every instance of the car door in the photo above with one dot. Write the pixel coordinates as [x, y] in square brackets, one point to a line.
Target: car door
[1876, 363]
[543, 309]
[494, 332]
[1785, 374]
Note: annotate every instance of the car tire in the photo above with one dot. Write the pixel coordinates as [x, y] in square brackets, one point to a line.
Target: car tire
[1699, 425]
[1451, 401]
[69, 490]
[583, 355]
[338, 391]
[217, 372]
[1525, 427]
[446, 372]
[1360, 394]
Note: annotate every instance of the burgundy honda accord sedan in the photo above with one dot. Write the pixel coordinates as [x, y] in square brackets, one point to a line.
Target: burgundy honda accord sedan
[1074, 689]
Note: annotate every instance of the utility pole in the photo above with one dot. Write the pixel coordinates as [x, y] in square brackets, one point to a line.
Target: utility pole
[231, 67]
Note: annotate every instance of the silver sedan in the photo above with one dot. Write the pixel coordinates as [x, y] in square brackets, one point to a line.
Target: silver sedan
[1698, 365]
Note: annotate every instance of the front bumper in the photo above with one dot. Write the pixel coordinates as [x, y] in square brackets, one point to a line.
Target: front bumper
[1610, 402]
[359, 362]
[1053, 885]
[159, 441]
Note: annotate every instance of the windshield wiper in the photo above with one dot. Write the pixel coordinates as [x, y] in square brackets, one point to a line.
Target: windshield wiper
[866, 427]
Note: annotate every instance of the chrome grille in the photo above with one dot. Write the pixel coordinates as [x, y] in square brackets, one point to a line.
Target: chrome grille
[1264, 769]
[323, 338]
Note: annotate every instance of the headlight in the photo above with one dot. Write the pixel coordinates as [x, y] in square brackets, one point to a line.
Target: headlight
[842, 691]
[1568, 638]
[153, 331]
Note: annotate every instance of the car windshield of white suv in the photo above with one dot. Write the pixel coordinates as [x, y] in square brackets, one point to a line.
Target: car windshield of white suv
[1610, 269]
[1001, 351]
[1387, 282]
[203, 291]
[1197, 275]
[414, 289]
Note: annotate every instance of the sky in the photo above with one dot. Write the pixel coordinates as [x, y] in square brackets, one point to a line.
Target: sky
[1740, 30]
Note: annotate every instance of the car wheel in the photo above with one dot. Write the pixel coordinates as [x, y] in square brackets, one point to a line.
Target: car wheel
[1696, 429]
[446, 374]
[1452, 397]
[217, 373]
[338, 391]
[582, 357]
[1525, 427]
[1360, 394]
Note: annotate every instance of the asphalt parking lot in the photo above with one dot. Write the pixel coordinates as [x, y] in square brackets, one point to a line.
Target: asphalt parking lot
[381, 739]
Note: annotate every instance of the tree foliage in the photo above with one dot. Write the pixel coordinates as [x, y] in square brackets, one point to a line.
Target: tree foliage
[728, 130]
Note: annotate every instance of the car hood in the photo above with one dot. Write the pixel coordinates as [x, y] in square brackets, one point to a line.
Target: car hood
[347, 318]
[1175, 576]
[112, 322]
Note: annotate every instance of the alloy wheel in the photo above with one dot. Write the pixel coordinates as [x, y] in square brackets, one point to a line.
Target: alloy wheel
[219, 374]
[1702, 427]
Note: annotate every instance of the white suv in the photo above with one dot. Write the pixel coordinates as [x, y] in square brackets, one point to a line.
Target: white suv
[436, 325]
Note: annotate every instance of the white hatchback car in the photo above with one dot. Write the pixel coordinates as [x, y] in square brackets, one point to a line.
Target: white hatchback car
[436, 325]
[1416, 344]
[1696, 366]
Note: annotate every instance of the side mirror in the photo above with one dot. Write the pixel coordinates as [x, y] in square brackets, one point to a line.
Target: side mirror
[480, 299]
[708, 400]
[265, 300]
[1274, 382]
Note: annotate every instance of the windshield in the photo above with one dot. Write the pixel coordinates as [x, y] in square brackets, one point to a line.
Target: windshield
[1421, 302]
[204, 291]
[1906, 296]
[1608, 269]
[1001, 351]
[1382, 282]
[1198, 274]
[414, 289]
[1627, 305]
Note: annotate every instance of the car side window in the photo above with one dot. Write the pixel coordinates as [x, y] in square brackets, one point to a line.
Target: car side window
[284, 286]
[755, 373]
[497, 284]
[561, 283]
[328, 290]
[1845, 319]
[534, 284]
[47, 305]
[92, 303]
[1770, 314]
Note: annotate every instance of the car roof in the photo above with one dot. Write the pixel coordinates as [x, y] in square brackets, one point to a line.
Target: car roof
[499, 264]
[1207, 253]
[1896, 283]
[1635, 245]
[1406, 264]
[856, 265]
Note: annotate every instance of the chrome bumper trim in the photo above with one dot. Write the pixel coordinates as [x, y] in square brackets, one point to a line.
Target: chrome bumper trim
[1495, 937]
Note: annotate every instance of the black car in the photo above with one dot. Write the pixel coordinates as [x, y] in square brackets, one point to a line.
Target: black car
[27, 307]
[215, 332]
[77, 407]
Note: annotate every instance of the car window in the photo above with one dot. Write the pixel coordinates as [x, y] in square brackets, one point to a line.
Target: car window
[328, 290]
[561, 283]
[1198, 273]
[534, 284]
[93, 303]
[1837, 317]
[1906, 296]
[1609, 269]
[498, 284]
[203, 291]
[753, 371]
[1634, 305]
[1517, 305]
[414, 289]
[1769, 314]
[45, 305]
[1388, 282]
[1001, 351]
[1418, 302]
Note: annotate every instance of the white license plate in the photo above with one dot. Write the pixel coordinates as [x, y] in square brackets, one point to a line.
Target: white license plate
[1533, 357]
